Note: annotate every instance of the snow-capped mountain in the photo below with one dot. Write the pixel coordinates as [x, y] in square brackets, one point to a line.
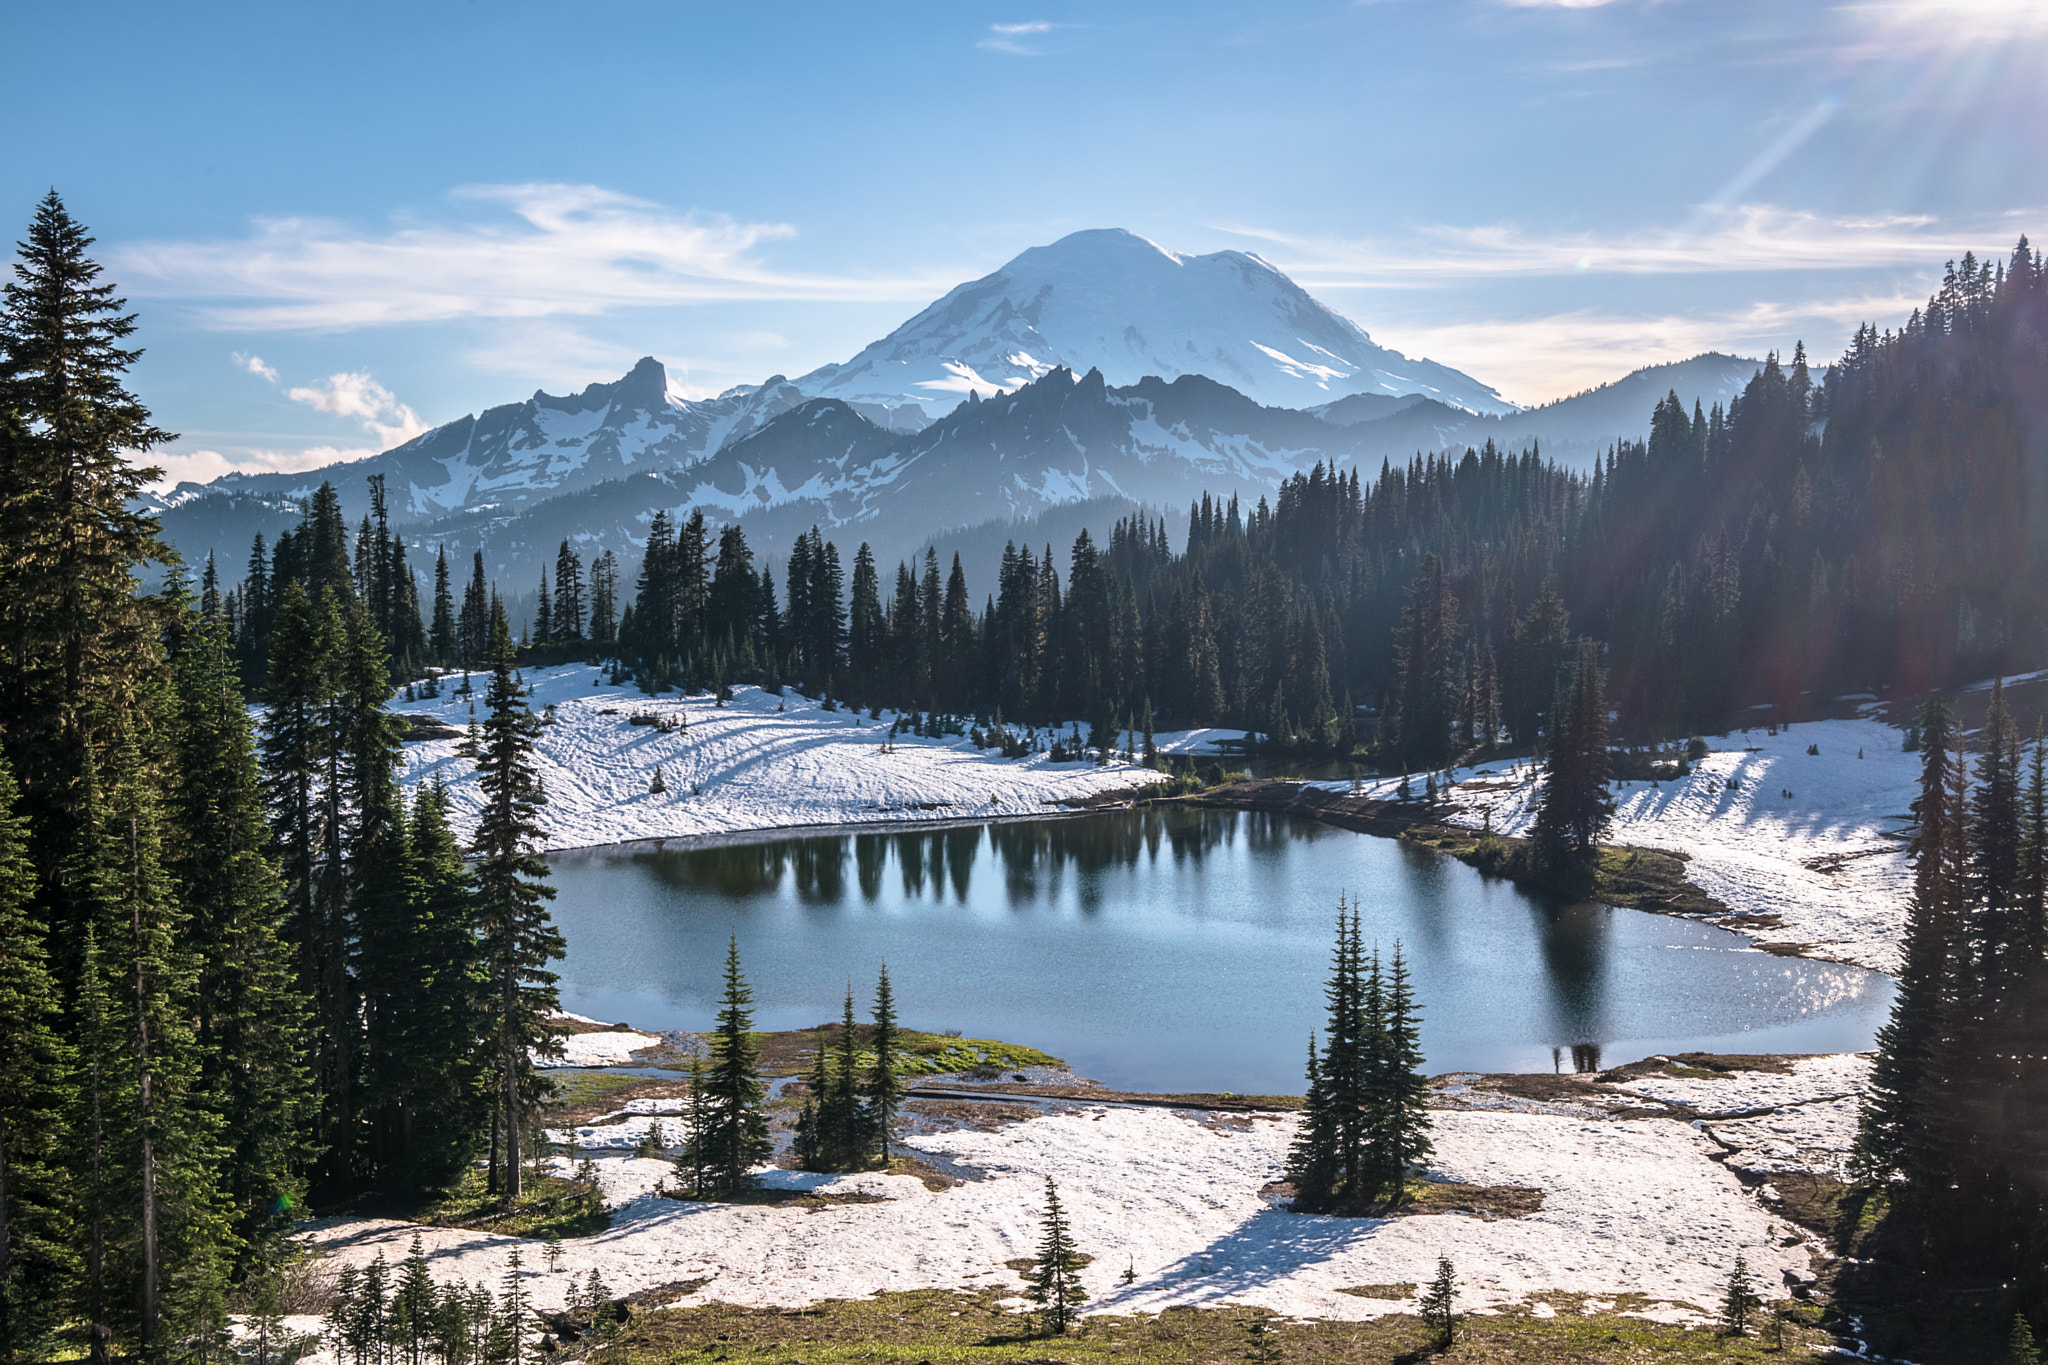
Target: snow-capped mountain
[1110, 300]
[514, 454]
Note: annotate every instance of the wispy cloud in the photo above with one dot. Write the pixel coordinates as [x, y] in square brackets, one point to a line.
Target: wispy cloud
[1536, 359]
[1947, 23]
[203, 466]
[1744, 238]
[566, 250]
[1015, 38]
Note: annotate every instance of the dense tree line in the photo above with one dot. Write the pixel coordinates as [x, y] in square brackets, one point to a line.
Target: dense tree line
[1954, 1135]
[1808, 537]
[236, 966]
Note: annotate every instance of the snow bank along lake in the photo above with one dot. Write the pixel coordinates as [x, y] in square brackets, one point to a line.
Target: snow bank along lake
[1172, 949]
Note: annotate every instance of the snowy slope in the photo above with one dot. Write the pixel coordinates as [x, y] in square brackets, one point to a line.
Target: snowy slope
[1825, 860]
[1110, 300]
[752, 766]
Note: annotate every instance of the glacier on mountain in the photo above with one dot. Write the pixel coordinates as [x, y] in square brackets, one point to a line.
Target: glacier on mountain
[1110, 300]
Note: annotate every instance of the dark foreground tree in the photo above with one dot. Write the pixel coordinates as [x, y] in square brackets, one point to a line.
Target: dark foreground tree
[1576, 808]
[884, 1089]
[518, 937]
[1365, 1121]
[736, 1137]
[35, 1063]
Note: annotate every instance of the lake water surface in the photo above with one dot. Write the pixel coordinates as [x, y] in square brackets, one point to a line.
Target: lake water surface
[1173, 949]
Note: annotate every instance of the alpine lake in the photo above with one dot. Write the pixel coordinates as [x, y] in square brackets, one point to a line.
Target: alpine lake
[1171, 948]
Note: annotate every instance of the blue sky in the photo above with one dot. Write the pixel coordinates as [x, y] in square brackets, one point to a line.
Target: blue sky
[344, 223]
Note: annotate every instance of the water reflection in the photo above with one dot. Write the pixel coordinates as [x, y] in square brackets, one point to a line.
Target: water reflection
[1178, 949]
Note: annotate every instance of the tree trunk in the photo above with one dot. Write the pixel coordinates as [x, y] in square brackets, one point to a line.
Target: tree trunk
[514, 1151]
[148, 1117]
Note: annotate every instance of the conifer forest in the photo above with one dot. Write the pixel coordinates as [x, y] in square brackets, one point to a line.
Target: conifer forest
[246, 973]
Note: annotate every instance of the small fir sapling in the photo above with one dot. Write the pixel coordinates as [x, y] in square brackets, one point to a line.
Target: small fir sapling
[1740, 1300]
[657, 786]
[1055, 1277]
[1262, 1347]
[553, 1252]
[1439, 1303]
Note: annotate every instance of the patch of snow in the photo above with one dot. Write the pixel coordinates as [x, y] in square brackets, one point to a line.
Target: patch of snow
[741, 767]
[1823, 859]
[1629, 1206]
[599, 1049]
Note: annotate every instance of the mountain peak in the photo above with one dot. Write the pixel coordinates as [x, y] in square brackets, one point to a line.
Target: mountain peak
[1109, 299]
[644, 387]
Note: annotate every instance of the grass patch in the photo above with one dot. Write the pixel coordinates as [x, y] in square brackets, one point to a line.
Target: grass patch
[1394, 1292]
[588, 1089]
[553, 1207]
[792, 1052]
[1703, 1066]
[1437, 1196]
[936, 1327]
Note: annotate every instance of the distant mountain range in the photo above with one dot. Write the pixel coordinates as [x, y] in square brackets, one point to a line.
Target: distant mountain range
[1025, 437]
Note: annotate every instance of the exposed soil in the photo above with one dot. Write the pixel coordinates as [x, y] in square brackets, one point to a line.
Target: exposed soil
[981, 1116]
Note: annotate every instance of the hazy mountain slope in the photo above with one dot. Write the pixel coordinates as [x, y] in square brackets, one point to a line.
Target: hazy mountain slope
[1571, 431]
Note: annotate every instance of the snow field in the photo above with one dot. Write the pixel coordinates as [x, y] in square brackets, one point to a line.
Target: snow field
[1820, 860]
[599, 1049]
[741, 767]
[1630, 1207]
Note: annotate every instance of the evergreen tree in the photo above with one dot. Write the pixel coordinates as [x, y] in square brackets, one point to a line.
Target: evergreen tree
[884, 1090]
[431, 1077]
[441, 636]
[79, 644]
[737, 1138]
[2019, 1343]
[1576, 809]
[36, 1253]
[842, 1121]
[1895, 1117]
[248, 1014]
[1739, 1301]
[1312, 1158]
[518, 937]
[1439, 1304]
[145, 1174]
[1055, 1276]
[1400, 1122]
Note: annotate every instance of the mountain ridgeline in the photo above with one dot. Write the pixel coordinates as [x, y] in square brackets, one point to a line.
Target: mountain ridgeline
[1100, 374]
[1878, 529]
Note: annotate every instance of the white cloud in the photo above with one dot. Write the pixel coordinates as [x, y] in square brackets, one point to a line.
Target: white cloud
[255, 365]
[355, 394]
[1011, 38]
[1748, 237]
[565, 250]
[203, 466]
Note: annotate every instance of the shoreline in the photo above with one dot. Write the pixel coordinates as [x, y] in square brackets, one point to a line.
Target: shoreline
[740, 838]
